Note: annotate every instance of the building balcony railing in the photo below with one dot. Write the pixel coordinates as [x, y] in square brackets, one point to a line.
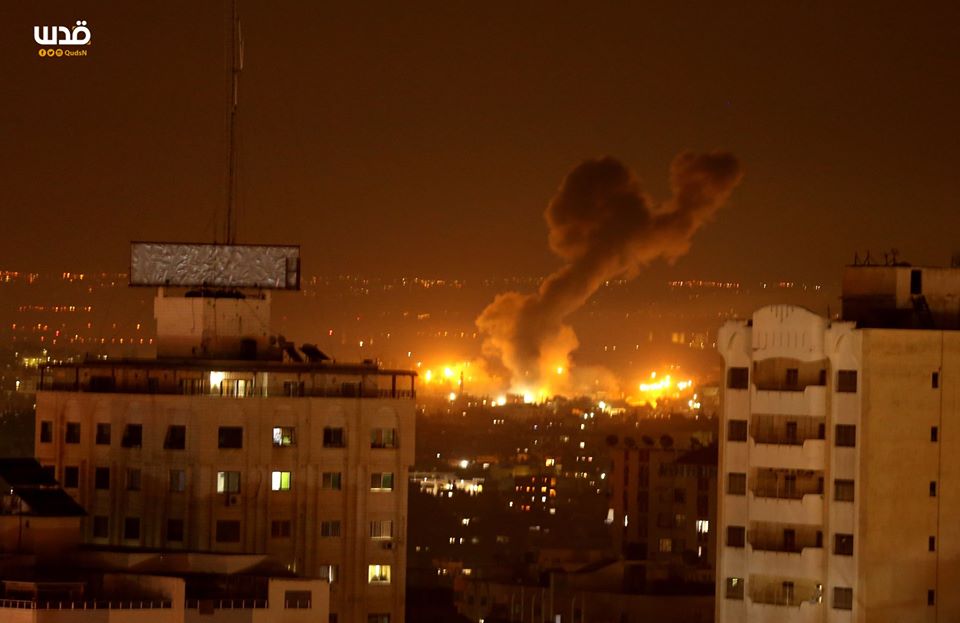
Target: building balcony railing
[29, 604]
[229, 604]
[786, 430]
[788, 594]
[344, 391]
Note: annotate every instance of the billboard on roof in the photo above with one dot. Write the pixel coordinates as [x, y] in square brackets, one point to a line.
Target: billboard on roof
[191, 265]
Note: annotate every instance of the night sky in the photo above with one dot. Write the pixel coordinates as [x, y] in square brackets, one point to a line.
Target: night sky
[425, 138]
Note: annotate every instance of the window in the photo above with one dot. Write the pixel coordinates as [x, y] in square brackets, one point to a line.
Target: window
[101, 478]
[133, 479]
[293, 388]
[843, 544]
[131, 528]
[916, 281]
[734, 588]
[283, 436]
[333, 437]
[176, 438]
[378, 574]
[132, 436]
[736, 536]
[933, 488]
[703, 526]
[931, 597]
[280, 529]
[793, 377]
[330, 573]
[846, 436]
[72, 434]
[666, 545]
[378, 618]
[103, 434]
[737, 430]
[230, 437]
[381, 530]
[228, 531]
[736, 483]
[280, 481]
[71, 477]
[46, 431]
[50, 471]
[383, 438]
[228, 482]
[935, 380]
[297, 599]
[333, 618]
[101, 527]
[330, 480]
[934, 433]
[679, 496]
[738, 378]
[178, 481]
[842, 598]
[175, 530]
[847, 381]
[381, 481]
[932, 543]
[843, 490]
[330, 528]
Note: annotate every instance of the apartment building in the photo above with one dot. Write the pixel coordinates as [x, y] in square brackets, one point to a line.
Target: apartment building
[839, 463]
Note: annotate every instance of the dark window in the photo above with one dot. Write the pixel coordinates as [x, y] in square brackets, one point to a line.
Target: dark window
[793, 377]
[734, 588]
[46, 431]
[931, 597]
[132, 436]
[50, 471]
[933, 433]
[679, 496]
[847, 381]
[101, 527]
[932, 543]
[383, 438]
[843, 544]
[330, 528]
[935, 380]
[175, 530]
[381, 481]
[333, 437]
[230, 437]
[280, 529]
[737, 430]
[738, 378]
[736, 536]
[378, 618]
[822, 378]
[843, 490]
[101, 478]
[293, 388]
[331, 480]
[71, 477]
[131, 528]
[178, 481]
[333, 618]
[176, 438]
[133, 479]
[846, 436]
[103, 434]
[72, 434]
[736, 483]
[228, 531]
[916, 281]
[297, 599]
[842, 598]
[933, 488]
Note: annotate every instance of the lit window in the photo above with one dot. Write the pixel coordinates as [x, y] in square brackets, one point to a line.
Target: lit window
[280, 481]
[283, 436]
[378, 574]
[666, 545]
[228, 482]
[734, 588]
[381, 481]
[330, 573]
[703, 526]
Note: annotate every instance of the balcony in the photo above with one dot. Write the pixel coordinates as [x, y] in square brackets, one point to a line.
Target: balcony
[810, 401]
[806, 456]
[786, 483]
[786, 592]
[807, 510]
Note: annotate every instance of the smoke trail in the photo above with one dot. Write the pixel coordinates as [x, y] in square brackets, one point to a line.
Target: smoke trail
[602, 225]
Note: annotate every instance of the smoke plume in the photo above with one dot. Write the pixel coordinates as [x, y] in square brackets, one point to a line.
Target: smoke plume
[602, 225]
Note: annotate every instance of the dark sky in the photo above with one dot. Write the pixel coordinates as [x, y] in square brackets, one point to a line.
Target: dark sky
[425, 138]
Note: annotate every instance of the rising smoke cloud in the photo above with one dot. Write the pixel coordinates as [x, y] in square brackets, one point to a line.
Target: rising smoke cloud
[602, 225]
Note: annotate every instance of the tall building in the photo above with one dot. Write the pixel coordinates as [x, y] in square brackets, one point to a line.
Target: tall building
[839, 463]
[233, 441]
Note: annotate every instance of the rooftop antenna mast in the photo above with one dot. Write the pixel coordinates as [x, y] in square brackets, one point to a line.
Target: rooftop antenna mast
[236, 66]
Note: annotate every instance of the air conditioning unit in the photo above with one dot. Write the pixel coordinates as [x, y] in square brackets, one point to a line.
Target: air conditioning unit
[387, 545]
[230, 499]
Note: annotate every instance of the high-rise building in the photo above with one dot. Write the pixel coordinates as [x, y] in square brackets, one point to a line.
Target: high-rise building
[233, 441]
[839, 464]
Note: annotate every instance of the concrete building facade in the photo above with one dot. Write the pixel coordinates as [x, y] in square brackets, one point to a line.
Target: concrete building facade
[839, 462]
